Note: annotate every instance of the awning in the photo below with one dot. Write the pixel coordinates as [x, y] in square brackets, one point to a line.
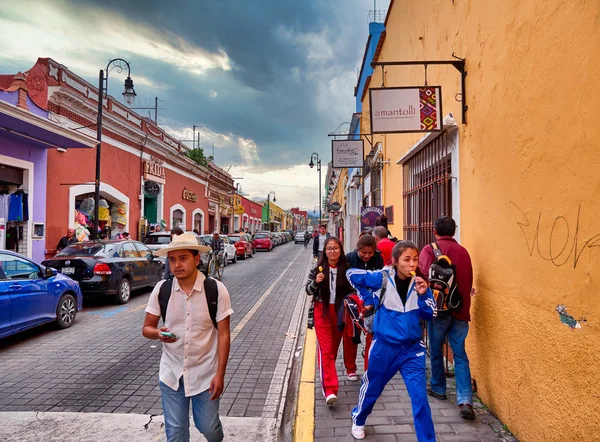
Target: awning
[23, 123]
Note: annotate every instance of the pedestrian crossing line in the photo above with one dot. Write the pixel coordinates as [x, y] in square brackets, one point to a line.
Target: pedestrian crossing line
[304, 427]
[236, 331]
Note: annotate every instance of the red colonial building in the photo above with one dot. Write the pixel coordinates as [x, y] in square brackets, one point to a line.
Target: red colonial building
[145, 178]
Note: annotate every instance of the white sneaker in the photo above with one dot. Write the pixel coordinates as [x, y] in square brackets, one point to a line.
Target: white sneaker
[358, 431]
[331, 400]
[352, 376]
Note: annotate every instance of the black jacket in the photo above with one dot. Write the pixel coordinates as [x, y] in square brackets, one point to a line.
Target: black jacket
[375, 263]
[316, 243]
[65, 242]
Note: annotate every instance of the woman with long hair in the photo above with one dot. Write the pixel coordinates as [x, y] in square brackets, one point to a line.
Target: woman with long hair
[328, 284]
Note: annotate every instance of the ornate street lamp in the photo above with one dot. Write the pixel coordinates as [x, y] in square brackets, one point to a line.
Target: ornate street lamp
[129, 96]
[269, 208]
[315, 158]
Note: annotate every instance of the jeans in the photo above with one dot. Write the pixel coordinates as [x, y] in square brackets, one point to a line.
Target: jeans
[457, 331]
[176, 408]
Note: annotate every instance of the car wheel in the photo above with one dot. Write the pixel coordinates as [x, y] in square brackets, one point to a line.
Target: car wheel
[66, 311]
[124, 291]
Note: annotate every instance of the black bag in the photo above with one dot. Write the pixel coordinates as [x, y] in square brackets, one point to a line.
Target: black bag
[442, 283]
[210, 289]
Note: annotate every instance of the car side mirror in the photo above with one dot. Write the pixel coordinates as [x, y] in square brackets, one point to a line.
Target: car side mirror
[50, 272]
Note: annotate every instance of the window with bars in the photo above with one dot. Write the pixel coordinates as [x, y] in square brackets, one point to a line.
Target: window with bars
[427, 189]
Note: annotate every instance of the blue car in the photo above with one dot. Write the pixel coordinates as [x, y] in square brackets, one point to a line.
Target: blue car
[32, 295]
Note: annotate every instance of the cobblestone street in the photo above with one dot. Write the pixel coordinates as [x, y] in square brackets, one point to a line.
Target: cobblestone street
[103, 364]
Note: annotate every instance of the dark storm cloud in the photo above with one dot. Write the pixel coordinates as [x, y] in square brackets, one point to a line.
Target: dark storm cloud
[279, 78]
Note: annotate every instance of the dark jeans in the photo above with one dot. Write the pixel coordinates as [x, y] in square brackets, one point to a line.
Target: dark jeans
[457, 331]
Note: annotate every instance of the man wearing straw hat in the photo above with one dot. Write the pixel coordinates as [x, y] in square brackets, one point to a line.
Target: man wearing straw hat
[195, 349]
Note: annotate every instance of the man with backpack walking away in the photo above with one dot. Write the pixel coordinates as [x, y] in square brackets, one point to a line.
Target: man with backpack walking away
[195, 310]
[448, 265]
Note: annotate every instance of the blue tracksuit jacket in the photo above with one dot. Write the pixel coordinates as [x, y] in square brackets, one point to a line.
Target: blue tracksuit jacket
[394, 323]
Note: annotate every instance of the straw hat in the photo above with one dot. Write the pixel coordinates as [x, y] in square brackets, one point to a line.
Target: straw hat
[186, 241]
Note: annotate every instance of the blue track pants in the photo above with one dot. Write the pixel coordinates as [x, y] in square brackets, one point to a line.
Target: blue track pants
[384, 362]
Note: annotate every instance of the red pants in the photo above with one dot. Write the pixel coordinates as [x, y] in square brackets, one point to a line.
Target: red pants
[328, 342]
[351, 349]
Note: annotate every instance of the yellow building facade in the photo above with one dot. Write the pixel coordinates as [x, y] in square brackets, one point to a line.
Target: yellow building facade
[522, 179]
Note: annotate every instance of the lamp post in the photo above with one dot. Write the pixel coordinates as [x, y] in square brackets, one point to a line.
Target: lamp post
[315, 158]
[269, 208]
[129, 95]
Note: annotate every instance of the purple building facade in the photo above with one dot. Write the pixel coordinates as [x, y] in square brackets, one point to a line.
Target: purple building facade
[26, 134]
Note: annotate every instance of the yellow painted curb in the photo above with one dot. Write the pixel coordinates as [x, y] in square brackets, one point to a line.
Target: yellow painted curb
[304, 426]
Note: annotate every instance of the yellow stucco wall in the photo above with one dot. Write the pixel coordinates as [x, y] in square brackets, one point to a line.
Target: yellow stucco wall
[529, 194]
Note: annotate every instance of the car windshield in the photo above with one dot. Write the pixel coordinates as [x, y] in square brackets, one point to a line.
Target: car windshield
[83, 249]
[234, 238]
[158, 239]
[260, 236]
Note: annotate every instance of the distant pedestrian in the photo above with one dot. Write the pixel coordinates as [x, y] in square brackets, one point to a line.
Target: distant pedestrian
[152, 229]
[306, 239]
[67, 240]
[384, 244]
[319, 242]
[396, 299]
[328, 285]
[196, 231]
[194, 354]
[453, 324]
[366, 257]
[175, 231]
[126, 235]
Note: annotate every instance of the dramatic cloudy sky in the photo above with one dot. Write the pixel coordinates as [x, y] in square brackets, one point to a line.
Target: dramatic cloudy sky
[268, 79]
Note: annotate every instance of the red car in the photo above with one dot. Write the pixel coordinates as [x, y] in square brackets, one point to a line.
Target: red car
[262, 241]
[243, 245]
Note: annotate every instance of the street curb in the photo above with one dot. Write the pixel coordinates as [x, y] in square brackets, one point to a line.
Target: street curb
[287, 417]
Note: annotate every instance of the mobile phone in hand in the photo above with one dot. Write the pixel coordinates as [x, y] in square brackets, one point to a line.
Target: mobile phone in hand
[168, 334]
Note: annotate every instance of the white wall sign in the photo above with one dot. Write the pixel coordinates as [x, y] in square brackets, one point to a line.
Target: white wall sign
[347, 153]
[406, 109]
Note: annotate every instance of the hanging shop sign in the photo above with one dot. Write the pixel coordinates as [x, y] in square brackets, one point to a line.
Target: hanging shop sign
[335, 207]
[406, 109]
[154, 171]
[239, 210]
[347, 153]
[368, 216]
[189, 196]
[151, 188]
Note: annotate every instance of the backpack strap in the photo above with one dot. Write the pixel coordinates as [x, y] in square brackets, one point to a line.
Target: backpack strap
[211, 291]
[437, 252]
[163, 297]
[212, 298]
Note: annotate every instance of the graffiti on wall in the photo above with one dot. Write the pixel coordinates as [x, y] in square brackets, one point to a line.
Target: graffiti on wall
[557, 239]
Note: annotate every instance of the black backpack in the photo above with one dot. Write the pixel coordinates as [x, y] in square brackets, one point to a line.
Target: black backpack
[442, 282]
[210, 289]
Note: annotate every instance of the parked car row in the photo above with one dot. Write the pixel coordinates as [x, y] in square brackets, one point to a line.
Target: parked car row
[32, 294]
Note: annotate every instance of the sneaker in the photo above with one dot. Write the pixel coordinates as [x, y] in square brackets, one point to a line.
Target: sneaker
[358, 431]
[331, 400]
[432, 393]
[352, 376]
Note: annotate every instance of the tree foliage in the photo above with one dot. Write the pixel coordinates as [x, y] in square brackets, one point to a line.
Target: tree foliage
[197, 155]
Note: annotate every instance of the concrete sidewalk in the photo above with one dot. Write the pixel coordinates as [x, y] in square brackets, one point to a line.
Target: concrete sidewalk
[96, 427]
[392, 419]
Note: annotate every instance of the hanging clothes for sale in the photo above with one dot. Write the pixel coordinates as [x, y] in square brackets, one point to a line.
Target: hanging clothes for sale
[15, 207]
[4, 202]
[25, 207]
[12, 239]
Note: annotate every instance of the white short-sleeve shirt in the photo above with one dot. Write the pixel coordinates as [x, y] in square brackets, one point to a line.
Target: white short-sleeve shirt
[194, 354]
